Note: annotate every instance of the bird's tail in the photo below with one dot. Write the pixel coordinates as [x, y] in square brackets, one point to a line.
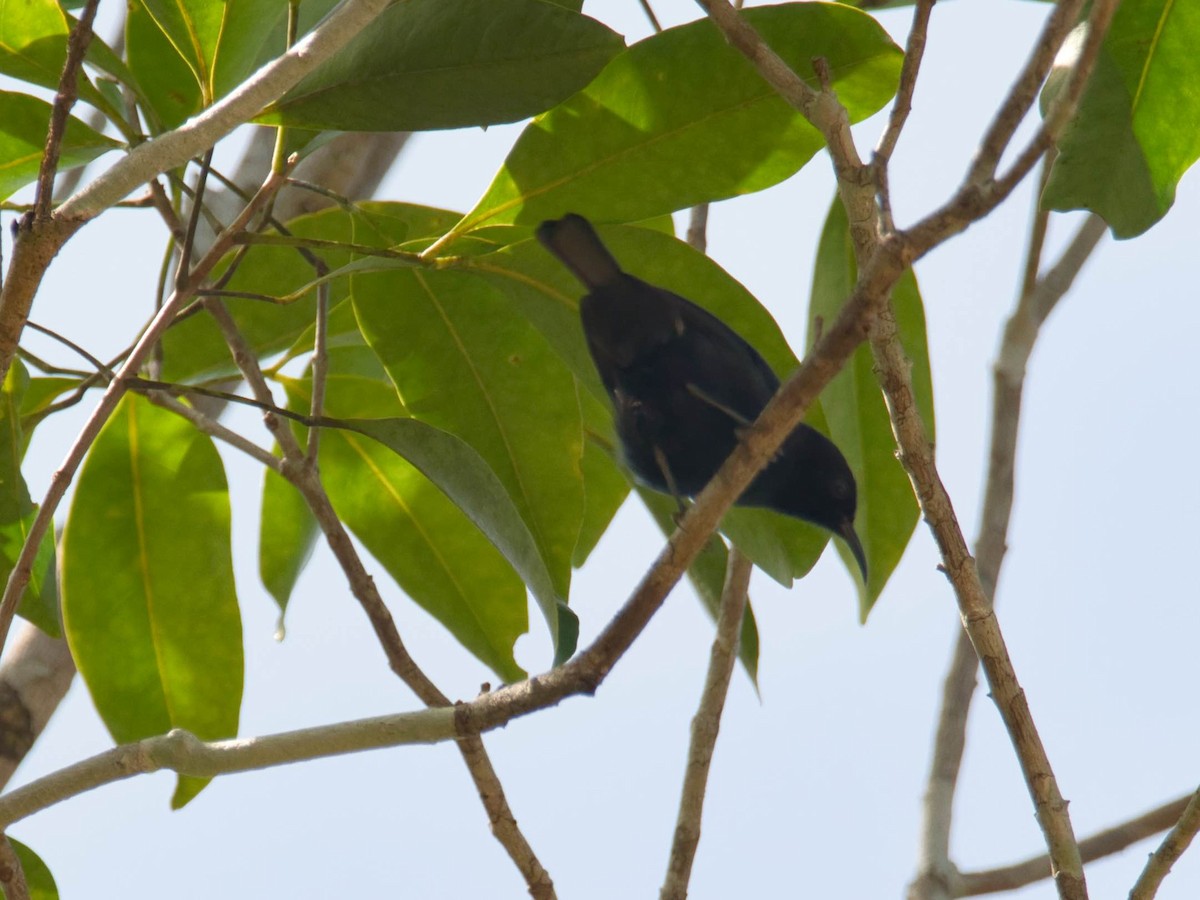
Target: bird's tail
[573, 240]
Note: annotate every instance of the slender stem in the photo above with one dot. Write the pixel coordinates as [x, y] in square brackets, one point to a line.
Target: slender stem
[697, 233]
[193, 137]
[213, 428]
[705, 726]
[1097, 846]
[914, 52]
[320, 364]
[301, 470]
[1172, 847]
[189, 236]
[1024, 92]
[64, 99]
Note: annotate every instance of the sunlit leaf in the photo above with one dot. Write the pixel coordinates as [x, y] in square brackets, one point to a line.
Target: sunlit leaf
[23, 139]
[682, 118]
[149, 607]
[1138, 125]
[430, 511]
[464, 360]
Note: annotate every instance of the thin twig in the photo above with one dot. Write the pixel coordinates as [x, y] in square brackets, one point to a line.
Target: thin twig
[302, 472]
[1024, 92]
[914, 52]
[934, 870]
[68, 343]
[646, 8]
[193, 137]
[213, 428]
[1172, 847]
[976, 198]
[189, 235]
[182, 752]
[823, 111]
[64, 99]
[706, 725]
[1097, 846]
[1020, 336]
[697, 233]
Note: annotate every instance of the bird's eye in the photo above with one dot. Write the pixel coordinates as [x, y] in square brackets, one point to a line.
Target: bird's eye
[839, 488]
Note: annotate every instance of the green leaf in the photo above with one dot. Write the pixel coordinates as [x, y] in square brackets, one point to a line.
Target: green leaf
[858, 418]
[195, 350]
[39, 603]
[1138, 125]
[149, 607]
[37, 874]
[23, 138]
[707, 574]
[462, 359]
[682, 118]
[432, 513]
[287, 534]
[33, 42]
[169, 86]
[218, 40]
[40, 394]
[429, 64]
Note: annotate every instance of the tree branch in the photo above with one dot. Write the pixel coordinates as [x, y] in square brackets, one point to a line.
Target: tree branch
[914, 51]
[202, 131]
[182, 752]
[706, 725]
[64, 99]
[1172, 847]
[301, 470]
[1038, 297]
[1097, 846]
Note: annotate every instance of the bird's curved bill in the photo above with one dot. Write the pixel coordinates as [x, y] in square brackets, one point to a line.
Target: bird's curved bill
[847, 533]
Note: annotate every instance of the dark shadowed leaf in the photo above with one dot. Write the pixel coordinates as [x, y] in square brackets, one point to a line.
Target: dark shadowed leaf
[169, 86]
[428, 64]
[149, 607]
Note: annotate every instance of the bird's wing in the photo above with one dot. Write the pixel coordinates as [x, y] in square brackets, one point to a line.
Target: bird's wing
[727, 373]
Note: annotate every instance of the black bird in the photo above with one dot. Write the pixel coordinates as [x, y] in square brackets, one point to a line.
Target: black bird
[683, 384]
